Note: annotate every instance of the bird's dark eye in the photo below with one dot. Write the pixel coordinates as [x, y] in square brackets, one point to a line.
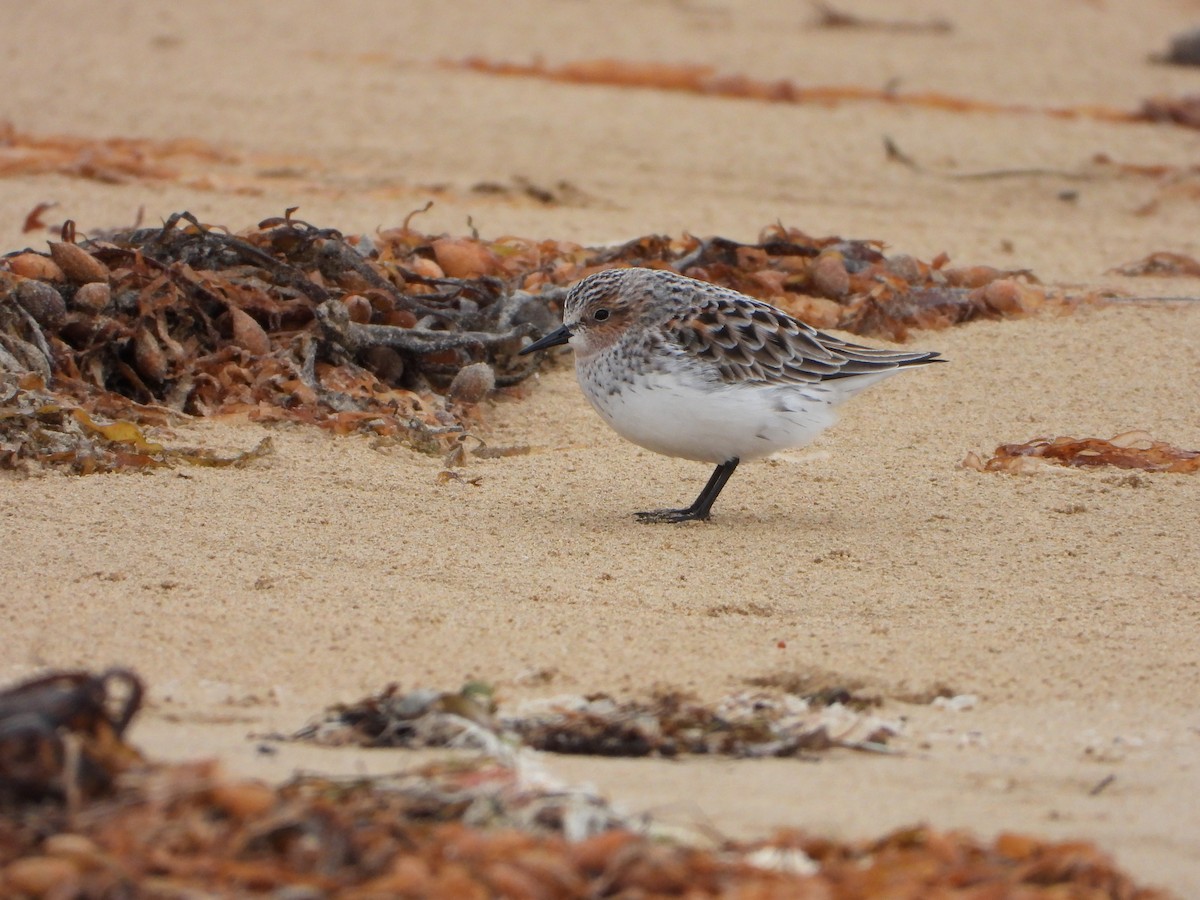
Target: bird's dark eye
[600, 315]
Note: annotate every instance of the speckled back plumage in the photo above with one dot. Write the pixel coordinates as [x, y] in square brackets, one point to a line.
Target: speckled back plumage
[745, 340]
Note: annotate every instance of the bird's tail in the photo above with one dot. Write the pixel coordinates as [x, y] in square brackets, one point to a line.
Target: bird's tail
[870, 360]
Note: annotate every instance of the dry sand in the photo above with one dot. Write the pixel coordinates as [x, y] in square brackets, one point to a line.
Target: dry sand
[1068, 602]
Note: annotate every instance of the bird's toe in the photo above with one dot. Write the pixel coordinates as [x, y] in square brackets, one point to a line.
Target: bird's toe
[675, 516]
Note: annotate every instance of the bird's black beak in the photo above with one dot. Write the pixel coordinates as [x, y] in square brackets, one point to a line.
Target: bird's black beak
[559, 336]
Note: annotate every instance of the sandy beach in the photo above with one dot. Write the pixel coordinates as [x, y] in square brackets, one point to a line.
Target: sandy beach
[1066, 602]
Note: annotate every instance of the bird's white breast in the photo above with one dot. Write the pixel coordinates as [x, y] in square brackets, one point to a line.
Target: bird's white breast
[690, 417]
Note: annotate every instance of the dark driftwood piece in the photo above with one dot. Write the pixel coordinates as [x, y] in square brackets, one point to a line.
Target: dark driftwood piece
[337, 327]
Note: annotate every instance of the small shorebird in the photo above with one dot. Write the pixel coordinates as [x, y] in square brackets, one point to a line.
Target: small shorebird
[689, 369]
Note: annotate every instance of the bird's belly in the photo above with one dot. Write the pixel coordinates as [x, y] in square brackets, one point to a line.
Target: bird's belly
[712, 423]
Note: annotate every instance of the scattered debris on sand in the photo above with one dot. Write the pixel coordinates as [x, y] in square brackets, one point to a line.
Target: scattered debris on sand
[666, 724]
[1164, 264]
[706, 80]
[1128, 450]
[82, 814]
[37, 426]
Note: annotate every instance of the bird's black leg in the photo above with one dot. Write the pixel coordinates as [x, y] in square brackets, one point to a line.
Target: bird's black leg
[703, 505]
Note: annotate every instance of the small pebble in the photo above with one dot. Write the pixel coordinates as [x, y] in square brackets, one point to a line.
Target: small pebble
[41, 301]
[472, 384]
[92, 297]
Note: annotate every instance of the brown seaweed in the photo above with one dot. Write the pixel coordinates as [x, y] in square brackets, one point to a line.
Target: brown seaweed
[1128, 450]
[400, 334]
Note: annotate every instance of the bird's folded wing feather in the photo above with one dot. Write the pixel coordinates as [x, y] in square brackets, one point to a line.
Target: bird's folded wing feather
[751, 341]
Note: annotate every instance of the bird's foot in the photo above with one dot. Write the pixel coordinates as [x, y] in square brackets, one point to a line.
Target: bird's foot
[671, 516]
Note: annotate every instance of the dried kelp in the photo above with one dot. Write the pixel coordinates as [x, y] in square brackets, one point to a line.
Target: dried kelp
[61, 736]
[1163, 263]
[701, 78]
[924, 862]
[1183, 50]
[894, 154]
[665, 724]
[672, 724]
[33, 219]
[704, 79]
[273, 325]
[829, 17]
[1128, 450]
[1173, 183]
[400, 334]
[37, 428]
[462, 831]
[85, 816]
[421, 718]
[109, 160]
[1183, 110]
[847, 284]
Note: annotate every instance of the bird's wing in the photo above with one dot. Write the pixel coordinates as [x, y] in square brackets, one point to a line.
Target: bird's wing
[747, 340]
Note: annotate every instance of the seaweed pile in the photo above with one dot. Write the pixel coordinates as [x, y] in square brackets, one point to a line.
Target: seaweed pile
[83, 814]
[401, 333]
[665, 724]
